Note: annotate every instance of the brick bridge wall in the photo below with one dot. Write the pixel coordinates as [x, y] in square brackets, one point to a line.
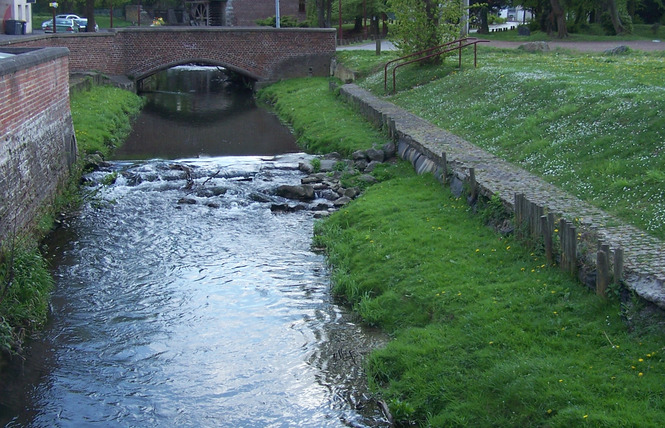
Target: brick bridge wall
[37, 142]
[264, 54]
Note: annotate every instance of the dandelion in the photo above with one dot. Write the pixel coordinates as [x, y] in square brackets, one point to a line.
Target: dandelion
[477, 250]
[560, 380]
[508, 247]
[640, 374]
[640, 360]
[586, 416]
[555, 312]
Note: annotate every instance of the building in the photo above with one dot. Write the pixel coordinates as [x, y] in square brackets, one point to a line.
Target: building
[244, 13]
[14, 11]
[516, 14]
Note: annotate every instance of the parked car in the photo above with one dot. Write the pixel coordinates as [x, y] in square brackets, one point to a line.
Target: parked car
[63, 16]
[62, 26]
[83, 25]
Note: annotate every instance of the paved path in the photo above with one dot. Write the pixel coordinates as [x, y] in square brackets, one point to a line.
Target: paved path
[641, 45]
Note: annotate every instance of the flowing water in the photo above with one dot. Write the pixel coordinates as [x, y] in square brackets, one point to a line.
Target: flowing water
[182, 300]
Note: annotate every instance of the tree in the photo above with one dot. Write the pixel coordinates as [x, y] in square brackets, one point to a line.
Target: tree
[614, 16]
[423, 24]
[559, 17]
[482, 8]
[90, 14]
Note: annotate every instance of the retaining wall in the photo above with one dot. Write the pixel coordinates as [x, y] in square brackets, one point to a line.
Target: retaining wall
[37, 141]
[591, 244]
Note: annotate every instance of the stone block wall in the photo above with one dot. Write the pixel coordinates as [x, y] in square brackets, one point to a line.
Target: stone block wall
[37, 141]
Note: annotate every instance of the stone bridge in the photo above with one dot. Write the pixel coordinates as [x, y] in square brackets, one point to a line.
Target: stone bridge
[262, 54]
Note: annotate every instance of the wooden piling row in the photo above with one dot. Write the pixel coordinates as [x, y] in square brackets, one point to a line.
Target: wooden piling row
[533, 222]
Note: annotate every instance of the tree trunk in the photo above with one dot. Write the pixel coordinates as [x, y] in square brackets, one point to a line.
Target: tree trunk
[560, 16]
[484, 26]
[431, 9]
[329, 14]
[321, 13]
[90, 14]
[614, 15]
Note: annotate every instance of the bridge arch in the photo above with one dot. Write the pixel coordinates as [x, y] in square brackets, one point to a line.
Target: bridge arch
[197, 61]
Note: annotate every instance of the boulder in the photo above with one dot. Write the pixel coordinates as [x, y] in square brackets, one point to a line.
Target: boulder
[370, 167]
[535, 47]
[389, 150]
[303, 192]
[286, 208]
[618, 50]
[375, 155]
[360, 164]
[359, 155]
[523, 30]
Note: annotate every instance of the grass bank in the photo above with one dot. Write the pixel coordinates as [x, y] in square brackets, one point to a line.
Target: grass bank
[318, 120]
[485, 333]
[101, 119]
[590, 124]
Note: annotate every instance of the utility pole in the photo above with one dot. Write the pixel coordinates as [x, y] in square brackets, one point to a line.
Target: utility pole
[277, 14]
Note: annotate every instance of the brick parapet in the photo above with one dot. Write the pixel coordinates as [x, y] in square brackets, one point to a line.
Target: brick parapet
[644, 260]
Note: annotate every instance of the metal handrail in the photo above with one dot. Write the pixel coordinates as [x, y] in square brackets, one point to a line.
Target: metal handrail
[468, 41]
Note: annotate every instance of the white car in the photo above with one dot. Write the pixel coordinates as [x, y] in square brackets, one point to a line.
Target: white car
[64, 16]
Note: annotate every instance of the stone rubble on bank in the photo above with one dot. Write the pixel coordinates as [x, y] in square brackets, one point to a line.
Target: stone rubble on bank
[321, 190]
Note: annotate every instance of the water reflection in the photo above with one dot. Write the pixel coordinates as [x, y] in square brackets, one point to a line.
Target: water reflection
[196, 111]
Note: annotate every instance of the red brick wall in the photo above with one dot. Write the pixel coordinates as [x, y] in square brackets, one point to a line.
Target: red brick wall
[37, 143]
[265, 54]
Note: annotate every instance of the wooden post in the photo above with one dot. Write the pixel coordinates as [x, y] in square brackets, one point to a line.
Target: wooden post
[540, 212]
[572, 248]
[618, 265]
[518, 214]
[444, 164]
[603, 273]
[474, 185]
[547, 238]
[562, 239]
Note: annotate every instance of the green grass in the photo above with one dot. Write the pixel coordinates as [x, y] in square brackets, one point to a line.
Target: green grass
[589, 123]
[320, 122]
[102, 118]
[485, 333]
[25, 283]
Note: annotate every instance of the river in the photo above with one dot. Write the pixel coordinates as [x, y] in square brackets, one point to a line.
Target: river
[181, 299]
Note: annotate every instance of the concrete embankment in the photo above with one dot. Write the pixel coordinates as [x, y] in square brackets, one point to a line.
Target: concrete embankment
[628, 254]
